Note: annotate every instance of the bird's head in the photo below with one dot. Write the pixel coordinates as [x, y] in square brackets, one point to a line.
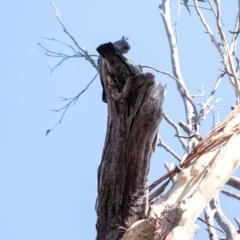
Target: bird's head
[122, 46]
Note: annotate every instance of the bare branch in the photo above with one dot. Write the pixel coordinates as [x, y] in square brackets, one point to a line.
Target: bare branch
[234, 182]
[216, 119]
[158, 191]
[229, 64]
[58, 55]
[170, 167]
[67, 45]
[231, 194]
[62, 55]
[203, 112]
[197, 183]
[161, 179]
[184, 127]
[208, 213]
[219, 135]
[209, 31]
[167, 148]
[72, 102]
[82, 51]
[238, 6]
[201, 93]
[175, 62]
[177, 129]
[212, 8]
[211, 226]
[219, 79]
[55, 40]
[189, 5]
[235, 36]
[161, 71]
[238, 223]
[210, 108]
[227, 60]
[184, 94]
[222, 220]
[177, 18]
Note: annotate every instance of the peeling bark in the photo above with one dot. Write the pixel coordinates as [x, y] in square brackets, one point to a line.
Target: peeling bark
[209, 166]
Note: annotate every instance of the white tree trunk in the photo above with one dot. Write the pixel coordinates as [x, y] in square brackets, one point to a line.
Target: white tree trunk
[209, 166]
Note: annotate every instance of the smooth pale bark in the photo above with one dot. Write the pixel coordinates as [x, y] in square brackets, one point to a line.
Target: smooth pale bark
[133, 121]
[209, 166]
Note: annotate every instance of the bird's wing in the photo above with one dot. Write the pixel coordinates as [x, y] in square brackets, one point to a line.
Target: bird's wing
[102, 74]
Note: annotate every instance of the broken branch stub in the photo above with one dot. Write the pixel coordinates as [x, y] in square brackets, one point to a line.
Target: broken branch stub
[134, 116]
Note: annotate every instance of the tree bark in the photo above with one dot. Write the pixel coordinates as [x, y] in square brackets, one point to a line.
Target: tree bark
[209, 166]
[134, 116]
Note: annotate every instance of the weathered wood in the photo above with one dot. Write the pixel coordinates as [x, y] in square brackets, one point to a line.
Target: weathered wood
[133, 120]
[210, 165]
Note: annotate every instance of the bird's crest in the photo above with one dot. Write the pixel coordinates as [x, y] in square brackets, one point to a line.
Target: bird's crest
[124, 38]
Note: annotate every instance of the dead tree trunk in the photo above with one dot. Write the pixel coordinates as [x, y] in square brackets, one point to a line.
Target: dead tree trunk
[134, 116]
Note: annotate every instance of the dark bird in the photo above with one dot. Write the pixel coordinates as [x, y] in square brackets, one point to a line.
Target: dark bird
[119, 66]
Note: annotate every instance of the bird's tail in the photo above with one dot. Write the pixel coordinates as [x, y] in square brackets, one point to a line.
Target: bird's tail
[106, 49]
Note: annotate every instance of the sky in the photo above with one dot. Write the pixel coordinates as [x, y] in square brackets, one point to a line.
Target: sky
[48, 184]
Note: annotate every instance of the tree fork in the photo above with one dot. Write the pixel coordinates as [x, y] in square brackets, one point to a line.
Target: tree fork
[134, 116]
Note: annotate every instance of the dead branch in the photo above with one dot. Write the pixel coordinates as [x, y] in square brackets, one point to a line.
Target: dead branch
[82, 51]
[234, 182]
[175, 126]
[209, 213]
[167, 148]
[231, 194]
[222, 220]
[72, 102]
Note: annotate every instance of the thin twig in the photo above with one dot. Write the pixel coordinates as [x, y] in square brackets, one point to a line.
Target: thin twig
[170, 167]
[235, 36]
[158, 191]
[67, 45]
[161, 71]
[72, 102]
[189, 5]
[81, 50]
[208, 214]
[189, 106]
[161, 179]
[176, 22]
[167, 148]
[209, 31]
[207, 109]
[58, 55]
[210, 225]
[55, 40]
[216, 118]
[238, 224]
[200, 94]
[212, 8]
[229, 64]
[177, 129]
[203, 112]
[184, 90]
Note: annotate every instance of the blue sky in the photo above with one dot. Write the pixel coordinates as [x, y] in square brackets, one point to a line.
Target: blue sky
[48, 185]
